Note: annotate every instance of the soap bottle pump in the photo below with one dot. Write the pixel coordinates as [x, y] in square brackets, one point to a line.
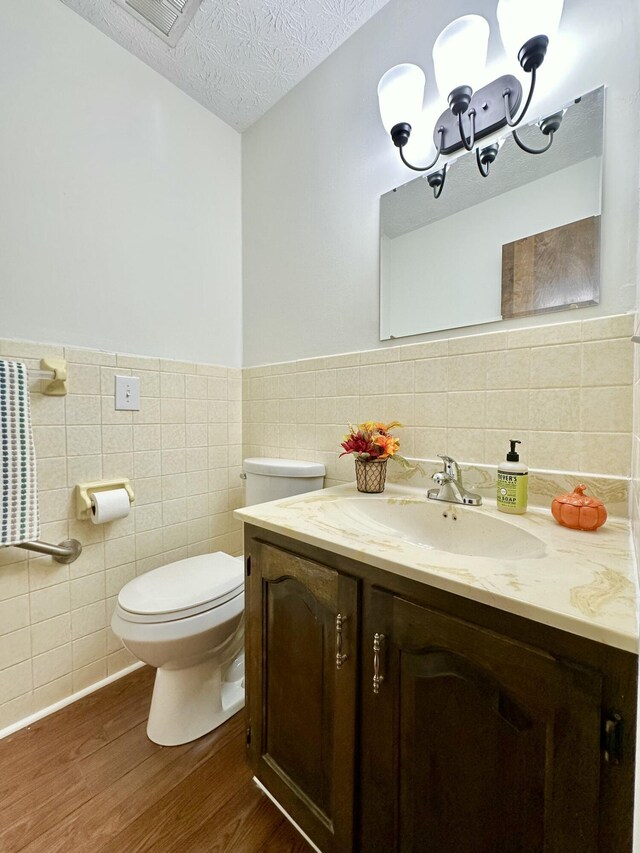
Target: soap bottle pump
[513, 477]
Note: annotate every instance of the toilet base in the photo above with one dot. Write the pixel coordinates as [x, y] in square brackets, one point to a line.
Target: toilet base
[188, 703]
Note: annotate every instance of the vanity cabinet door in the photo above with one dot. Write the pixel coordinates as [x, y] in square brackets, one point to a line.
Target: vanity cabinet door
[301, 617]
[475, 743]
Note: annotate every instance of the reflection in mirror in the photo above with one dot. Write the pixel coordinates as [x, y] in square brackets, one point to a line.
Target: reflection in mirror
[524, 240]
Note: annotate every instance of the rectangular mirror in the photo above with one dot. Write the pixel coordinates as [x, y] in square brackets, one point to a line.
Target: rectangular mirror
[525, 240]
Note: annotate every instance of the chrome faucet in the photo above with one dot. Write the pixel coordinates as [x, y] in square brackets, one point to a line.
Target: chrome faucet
[450, 488]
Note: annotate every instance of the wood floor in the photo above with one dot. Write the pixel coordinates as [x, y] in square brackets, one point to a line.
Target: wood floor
[88, 779]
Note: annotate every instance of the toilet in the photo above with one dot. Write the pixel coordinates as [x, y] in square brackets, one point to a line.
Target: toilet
[186, 619]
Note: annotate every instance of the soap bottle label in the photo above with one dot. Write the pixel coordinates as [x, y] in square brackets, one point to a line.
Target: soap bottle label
[512, 490]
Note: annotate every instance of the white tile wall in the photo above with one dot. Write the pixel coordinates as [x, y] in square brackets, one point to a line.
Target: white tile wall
[564, 390]
[182, 452]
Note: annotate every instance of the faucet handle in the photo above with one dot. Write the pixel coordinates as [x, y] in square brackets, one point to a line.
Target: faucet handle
[451, 467]
[450, 485]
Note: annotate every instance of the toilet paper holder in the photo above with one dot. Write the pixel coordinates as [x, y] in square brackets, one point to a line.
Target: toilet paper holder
[85, 490]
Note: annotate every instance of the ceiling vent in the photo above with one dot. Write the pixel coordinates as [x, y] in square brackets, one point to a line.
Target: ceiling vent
[167, 19]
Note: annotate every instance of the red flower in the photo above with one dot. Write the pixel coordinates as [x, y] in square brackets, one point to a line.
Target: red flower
[361, 444]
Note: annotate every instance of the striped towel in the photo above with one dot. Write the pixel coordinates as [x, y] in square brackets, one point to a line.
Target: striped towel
[19, 518]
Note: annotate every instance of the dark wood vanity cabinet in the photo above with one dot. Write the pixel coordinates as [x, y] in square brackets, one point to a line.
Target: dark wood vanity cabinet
[449, 727]
[302, 630]
[488, 744]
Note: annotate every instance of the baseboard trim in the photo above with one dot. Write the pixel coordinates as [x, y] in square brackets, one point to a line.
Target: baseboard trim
[287, 815]
[57, 706]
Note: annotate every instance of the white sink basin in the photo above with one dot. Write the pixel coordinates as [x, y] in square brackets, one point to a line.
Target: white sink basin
[438, 526]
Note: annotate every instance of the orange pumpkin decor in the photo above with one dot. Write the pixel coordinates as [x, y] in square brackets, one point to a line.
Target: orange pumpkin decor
[579, 511]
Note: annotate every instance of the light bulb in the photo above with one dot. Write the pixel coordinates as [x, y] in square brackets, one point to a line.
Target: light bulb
[521, 20]
[460, 53]
[400, 95]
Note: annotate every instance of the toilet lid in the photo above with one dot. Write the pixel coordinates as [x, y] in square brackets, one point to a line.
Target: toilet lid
[185, 587]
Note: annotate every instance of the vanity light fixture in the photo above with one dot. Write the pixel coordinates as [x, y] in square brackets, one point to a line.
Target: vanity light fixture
[459, 57]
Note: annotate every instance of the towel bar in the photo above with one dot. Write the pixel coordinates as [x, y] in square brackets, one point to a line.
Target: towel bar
[45, 375]
[53, 371]
[65, 552]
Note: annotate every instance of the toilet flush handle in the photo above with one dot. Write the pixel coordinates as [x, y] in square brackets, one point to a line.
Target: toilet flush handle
[243, 476]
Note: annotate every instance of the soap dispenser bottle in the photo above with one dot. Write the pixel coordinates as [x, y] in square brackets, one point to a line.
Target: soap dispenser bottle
[513, 483]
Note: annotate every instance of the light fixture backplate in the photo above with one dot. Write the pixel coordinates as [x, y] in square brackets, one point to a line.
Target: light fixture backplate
[489, 104]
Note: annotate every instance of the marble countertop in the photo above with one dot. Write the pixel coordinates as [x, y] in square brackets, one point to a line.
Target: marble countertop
[581, 582]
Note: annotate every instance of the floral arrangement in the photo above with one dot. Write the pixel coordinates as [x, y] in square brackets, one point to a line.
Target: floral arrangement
[372, 442]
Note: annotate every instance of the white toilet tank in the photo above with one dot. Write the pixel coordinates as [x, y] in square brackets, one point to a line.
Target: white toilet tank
[271, 479]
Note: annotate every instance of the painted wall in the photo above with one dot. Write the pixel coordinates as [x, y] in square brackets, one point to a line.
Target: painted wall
[316, 164]
[120, 199]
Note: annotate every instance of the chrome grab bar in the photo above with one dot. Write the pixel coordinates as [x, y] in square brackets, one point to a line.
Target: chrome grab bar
[66, 552]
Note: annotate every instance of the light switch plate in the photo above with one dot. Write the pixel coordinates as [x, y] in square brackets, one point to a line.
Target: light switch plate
[128, 393]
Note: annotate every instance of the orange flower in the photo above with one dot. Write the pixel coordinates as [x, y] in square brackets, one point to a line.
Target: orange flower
[389, 445]
[379, 426]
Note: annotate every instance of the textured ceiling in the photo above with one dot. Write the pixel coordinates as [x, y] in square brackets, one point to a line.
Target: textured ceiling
[238, 57]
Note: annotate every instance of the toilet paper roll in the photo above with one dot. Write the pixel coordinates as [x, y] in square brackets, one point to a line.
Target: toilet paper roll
[109, 505]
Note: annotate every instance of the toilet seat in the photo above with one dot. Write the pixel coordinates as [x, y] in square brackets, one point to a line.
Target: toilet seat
[182, 589]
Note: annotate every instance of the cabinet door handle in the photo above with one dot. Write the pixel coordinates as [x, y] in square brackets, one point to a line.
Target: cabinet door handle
[377, 678]
[340, 657]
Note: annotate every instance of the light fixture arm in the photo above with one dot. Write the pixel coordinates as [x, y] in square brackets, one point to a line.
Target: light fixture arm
[483, 168]
[548, 126]
[441, 132]
[436, 181]
[485, 157]
[472, 138]
[507, 102]
[529, 150]
[530, 57]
